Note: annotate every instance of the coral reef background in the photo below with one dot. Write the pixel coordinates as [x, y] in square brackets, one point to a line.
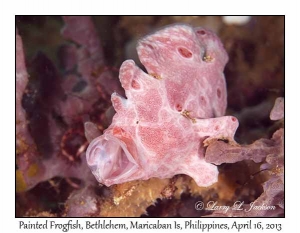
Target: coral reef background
[70, 81]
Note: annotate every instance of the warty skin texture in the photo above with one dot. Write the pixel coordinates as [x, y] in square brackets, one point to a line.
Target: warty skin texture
[160, 128]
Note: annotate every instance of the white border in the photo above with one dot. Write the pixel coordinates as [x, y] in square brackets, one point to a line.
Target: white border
[7, 64]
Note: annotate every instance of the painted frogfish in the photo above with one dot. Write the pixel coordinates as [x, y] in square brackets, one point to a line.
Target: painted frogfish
[170, 112]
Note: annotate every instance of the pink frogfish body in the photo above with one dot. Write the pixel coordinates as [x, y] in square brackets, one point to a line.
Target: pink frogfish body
[169, 113]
